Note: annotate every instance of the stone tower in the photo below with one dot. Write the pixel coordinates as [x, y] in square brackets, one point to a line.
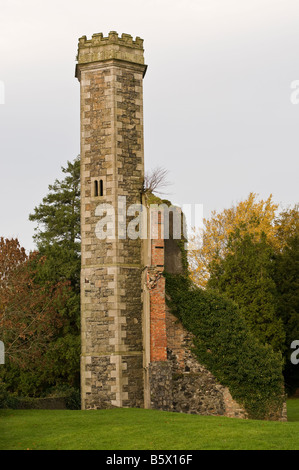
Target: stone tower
[110, 71]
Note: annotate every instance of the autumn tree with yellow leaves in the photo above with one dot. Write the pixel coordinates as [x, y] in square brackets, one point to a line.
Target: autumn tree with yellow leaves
[253, 217]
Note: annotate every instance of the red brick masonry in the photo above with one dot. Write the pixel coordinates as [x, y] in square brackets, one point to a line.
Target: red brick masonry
[157, 299]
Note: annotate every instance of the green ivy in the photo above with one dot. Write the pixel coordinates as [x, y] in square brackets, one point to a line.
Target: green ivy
[224, 344]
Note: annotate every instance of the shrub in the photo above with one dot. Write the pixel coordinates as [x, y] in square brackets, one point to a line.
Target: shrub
[6, 399]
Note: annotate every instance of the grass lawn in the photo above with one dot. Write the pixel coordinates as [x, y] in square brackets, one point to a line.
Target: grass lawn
[135, 429]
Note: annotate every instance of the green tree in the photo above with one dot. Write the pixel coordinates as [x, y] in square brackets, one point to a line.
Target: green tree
[59, 213]
[58, 241]
[245, 276]
[286, 277]
[286, 226]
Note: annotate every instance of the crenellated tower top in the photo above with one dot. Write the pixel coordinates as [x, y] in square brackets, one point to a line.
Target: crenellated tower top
[113, 47]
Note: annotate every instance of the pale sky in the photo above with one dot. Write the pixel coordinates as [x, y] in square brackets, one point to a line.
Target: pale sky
[217, 97]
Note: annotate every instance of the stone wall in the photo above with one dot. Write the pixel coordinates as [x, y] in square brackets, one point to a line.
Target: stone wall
[194, 389]
[161, 385]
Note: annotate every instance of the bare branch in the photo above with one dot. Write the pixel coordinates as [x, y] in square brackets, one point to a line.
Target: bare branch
[155, 180]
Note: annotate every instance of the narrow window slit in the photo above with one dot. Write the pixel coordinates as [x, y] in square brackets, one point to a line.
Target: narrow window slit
[96, 188]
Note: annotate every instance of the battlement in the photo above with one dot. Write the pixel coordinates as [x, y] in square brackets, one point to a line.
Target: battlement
[100, 48]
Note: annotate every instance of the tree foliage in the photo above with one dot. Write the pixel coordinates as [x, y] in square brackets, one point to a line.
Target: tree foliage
[56, 263]
[211, 244]
[286, 227]
[58, 242]
[58, 229]
[29, 318]
[286, 276]
[245, 276]
[260, 272]
[58, 216]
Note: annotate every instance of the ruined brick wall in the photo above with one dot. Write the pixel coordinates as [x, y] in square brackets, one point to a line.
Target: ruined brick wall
[181, 383]
[156, 281]
[178, 382]
[110, 71]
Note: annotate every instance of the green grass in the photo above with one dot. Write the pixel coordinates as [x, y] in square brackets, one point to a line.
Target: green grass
[134, 429]
[293, 409]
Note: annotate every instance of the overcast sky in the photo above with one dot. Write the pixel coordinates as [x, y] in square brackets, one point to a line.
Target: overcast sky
[217, 97]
